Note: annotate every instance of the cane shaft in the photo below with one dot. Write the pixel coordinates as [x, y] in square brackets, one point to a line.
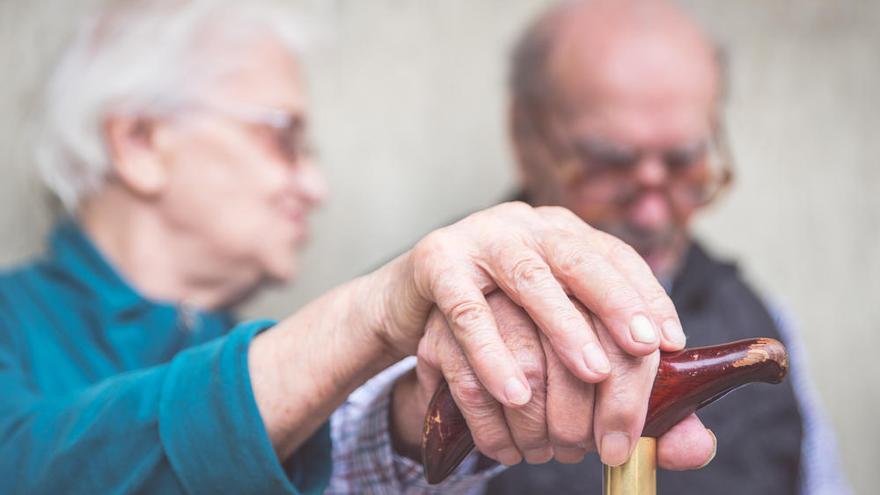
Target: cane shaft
[638, 475]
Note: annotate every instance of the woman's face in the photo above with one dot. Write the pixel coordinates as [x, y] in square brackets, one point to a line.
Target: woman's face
[239, 178]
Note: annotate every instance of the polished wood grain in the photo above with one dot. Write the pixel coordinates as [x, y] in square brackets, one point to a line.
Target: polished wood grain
[686, 381]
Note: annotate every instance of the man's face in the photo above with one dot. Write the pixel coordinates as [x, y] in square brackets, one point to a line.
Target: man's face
[239, 183]
[630, 143]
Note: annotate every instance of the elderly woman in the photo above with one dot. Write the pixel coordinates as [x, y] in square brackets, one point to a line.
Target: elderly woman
[175, 138]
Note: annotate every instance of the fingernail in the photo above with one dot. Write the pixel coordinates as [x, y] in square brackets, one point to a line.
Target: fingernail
[509, 457]
[714, 448]
[642, 330]
[673, 332]
[615, 448]
[568, 455]
[539, 456]
[517, 392]
[595, 358]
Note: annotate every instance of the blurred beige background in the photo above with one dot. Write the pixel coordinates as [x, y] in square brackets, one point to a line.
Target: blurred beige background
[409, 106]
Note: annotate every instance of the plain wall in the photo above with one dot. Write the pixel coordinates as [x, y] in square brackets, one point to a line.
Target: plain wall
[409, 114]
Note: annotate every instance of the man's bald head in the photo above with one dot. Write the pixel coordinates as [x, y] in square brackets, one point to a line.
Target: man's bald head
[615, 41]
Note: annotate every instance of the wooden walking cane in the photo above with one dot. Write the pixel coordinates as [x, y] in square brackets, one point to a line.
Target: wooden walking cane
[686, 381]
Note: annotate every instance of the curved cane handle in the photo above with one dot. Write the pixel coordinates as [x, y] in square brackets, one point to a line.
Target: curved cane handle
[686, 381]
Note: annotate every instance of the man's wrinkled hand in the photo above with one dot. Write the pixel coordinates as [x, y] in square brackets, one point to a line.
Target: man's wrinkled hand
[566, 418]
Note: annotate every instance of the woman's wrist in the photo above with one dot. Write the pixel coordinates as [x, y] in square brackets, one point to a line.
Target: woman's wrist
[361, 321]
[305, 366]
[398, 311]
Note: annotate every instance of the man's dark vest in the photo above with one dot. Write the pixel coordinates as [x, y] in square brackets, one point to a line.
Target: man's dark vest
[758, 427]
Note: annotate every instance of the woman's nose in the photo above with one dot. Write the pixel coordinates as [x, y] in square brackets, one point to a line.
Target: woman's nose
[310, 182]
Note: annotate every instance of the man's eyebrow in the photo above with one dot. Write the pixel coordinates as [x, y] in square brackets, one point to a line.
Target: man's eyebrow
[600, 144]
[693, 146]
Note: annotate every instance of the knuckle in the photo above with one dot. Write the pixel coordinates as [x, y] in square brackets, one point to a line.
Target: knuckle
[432, 255]
[530, 430]
[504, 212]
[531, 422]
[533, 368]
[531, 438]
[623, 252]
[570, 435]
[528, 424]
[573, 262]
[515, 207]
[463, 315]
[530, 274]
[564, 215]
[491, 438]
[568, 317]
[621, 407]
[472, 395]
[554, 211]
[605, 239]
[660, 301]
[531, 441]
[620, 297]
[433, 243]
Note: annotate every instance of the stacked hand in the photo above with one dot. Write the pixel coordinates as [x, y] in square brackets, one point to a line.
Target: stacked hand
[547, 331]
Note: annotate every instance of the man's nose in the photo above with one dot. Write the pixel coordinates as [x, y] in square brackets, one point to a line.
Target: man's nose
[651, 171]
[651, 210]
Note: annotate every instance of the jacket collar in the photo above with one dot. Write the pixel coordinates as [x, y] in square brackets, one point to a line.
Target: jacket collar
[73, 253]
[76, 257]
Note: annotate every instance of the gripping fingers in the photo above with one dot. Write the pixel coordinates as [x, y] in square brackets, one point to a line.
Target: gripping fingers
[622, 402]
[473, 325]
[527, 424]
[569, 410]
[441, 356]
[484, 417]
[483, 414]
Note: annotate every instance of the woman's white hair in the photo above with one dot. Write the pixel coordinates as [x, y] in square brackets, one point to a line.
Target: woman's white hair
[140, 57]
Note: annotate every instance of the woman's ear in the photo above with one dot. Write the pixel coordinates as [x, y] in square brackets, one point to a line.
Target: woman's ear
[133, 144]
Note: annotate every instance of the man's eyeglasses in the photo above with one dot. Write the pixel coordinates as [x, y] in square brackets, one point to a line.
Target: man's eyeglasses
[696, 172]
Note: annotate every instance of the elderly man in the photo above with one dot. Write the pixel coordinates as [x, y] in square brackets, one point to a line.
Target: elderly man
[175, 137]
[616, 115]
